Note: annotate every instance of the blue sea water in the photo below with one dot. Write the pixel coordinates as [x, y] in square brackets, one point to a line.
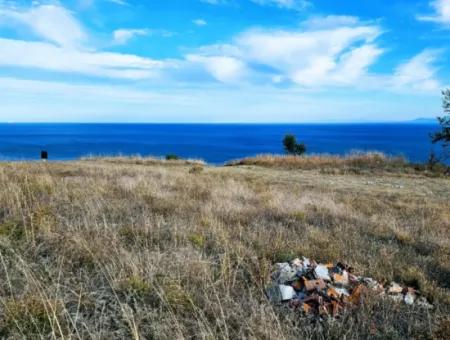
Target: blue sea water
[214, 143]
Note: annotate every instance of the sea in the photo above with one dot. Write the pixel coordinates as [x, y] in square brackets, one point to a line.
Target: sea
[213, 143]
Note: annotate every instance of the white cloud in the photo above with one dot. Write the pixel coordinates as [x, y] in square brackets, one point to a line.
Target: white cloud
[122, 36]
[354, 64]
[330, 21]
[46, 56]
[310, 58]
[50, 22]
[349, 70]
[441, 12]
[119, 2]
[417, 74]
[64, 47]
[223, 68]
[214, 2]
[325, 53]
[89, 3]
[288, 4]
[199, 22]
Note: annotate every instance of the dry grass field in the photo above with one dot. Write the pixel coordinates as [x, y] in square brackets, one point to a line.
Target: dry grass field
[128, 248]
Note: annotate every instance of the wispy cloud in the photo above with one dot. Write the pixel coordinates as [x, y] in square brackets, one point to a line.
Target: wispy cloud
[46, 56]
[222, 68]
[288, 4]
[199, 22]
[325, 52]
[214, 2]
[339, 56]
[441, 13]
[418, 73]
[49, 22]
[119, 2]
[330, 21]
[284, 4]
[122, 36]
[64, 46]
[90, 3]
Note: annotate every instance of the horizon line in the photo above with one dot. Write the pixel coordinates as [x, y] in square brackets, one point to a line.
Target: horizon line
[416, 121]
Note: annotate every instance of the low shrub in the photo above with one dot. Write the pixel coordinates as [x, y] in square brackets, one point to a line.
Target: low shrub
[172, 157]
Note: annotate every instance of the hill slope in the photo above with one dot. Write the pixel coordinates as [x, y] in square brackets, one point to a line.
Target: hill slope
[115, 249]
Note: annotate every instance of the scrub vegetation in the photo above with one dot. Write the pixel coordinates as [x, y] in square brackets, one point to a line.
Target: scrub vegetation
[143, 248]
[353, 163]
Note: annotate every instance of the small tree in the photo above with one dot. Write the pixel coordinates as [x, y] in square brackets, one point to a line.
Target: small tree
[443, 136]
[292, 147]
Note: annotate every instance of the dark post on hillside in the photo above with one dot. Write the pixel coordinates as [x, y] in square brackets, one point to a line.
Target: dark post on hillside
[44, 155]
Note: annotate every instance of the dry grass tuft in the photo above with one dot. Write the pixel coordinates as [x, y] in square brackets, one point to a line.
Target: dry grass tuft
[126, 248]
[353, 163]
[139, 160]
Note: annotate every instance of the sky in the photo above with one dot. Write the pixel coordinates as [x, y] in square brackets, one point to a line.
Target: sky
[223, 60]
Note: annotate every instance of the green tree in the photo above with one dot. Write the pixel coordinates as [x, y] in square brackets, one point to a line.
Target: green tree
[443, 136]
[292, 147]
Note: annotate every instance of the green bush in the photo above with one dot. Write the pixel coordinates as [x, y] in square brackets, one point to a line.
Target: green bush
[172, 157]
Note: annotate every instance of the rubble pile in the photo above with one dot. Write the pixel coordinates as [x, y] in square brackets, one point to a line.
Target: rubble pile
[330, 289]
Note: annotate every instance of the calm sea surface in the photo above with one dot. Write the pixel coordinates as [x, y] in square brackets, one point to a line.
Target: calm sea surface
[215, 143]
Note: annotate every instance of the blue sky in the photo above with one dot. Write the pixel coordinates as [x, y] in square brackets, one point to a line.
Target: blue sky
[223, 60]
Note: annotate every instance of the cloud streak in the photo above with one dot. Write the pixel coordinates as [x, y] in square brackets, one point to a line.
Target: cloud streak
[441, 13]
[64, 47]
[418, 73]
[286, 4]
[49, 22]
[46, 56]
[122, 36]
[199, 22]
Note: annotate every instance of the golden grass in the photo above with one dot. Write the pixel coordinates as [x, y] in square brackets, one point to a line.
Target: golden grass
[114, 248]
[356, 162]
[139, 160]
